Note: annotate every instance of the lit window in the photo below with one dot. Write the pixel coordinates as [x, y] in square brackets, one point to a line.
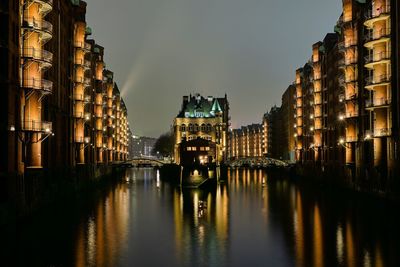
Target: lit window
[189, 148]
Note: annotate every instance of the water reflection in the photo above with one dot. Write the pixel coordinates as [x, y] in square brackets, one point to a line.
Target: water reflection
[201, 219]
[102, 235]
[253, 219]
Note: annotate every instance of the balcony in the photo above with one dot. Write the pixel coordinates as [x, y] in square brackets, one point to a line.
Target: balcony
[84, 63]
[381, 80]
[377, 58]
[40, 55]
[376, 14]
[87, 99]
[351, 96]
[350, 42]
[37, 126]
[351, 139]
[87, 81]
[83, 46]
[45, 28]
[350, 61]
[38, 84]
[378, 103]
[377, 36]
[45, 6]
[78, 97]
[78, 114]
[382, 132]
[352, 114]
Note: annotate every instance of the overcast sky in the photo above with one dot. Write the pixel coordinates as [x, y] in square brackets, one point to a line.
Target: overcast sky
[161, 50]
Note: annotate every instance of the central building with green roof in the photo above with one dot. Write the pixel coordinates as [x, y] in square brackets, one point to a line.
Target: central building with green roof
[205, 118]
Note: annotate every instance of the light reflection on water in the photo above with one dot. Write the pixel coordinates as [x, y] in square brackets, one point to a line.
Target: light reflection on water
[252, 219]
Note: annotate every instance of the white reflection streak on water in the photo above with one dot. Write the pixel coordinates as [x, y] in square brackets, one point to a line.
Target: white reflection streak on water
[91, 242]
[339, 244]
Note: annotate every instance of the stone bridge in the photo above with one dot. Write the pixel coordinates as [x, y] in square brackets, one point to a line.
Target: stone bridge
[258, 162]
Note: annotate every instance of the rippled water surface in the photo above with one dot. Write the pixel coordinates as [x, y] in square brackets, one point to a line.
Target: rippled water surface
[253, 219]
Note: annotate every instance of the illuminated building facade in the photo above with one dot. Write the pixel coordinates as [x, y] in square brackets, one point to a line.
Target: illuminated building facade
[246, 142]
[346, 110]
[272, 125]
[205, 118]
[288, 116]
[59, 100]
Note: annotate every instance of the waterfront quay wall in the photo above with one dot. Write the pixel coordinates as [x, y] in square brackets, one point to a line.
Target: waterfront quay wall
[360, 179]
[23, 195]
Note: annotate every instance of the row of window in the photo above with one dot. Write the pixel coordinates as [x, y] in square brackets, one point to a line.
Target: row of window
[196, 128]
[194, 137]
[193, 148]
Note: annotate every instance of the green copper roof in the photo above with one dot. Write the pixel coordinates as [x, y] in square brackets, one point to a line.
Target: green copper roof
[75, 2]
[199, 107]
[216, 108]
[88, 31]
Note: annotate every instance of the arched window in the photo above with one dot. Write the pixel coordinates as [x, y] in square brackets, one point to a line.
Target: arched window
[190, 127]
[203, 127]
[209, 127]
[196, 127]
[183, 128]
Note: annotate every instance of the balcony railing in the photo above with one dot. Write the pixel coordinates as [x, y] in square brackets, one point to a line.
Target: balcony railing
[351, 96]
[45, 5]
[37, 54]
[36, 126]
[83, 45]
[376, 57]
[350, 61]
[351, 139]
[87, 81]
[78, 97]
[81, 62]
[376, 12]
[378, 102]
[377, 34]
[377, 79]
[352, 114]
[88, 98]
[78, 114]
[381, 132]
[38, 25]
[38, 84]
[349, 42]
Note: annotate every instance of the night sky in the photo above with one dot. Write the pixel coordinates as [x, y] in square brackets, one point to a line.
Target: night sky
[161, 50]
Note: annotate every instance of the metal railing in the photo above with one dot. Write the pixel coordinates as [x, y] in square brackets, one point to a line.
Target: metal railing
[351, 114]
[351, 139]
[350, 60]
[376, 57]
[83, 45]
[376, 34]
[39, 24]
[78, 114]
[36, 126]
[83, 62]
[37, 54]
[376, 12]
[351, 96]
[377, 102]
[377, 79]
[78, 97]
[350, 42]
[38, 84]
[380, 132]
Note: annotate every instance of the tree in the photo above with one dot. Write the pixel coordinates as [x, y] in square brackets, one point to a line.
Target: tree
[164, 145]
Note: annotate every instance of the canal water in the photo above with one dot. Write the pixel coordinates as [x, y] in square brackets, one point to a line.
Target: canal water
[253, 219]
